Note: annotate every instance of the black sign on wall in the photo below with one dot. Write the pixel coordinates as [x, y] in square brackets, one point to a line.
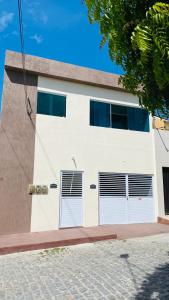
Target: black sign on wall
[53, 186]
[92, 186]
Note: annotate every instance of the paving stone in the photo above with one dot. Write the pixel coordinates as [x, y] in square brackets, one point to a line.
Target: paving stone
[136, 269]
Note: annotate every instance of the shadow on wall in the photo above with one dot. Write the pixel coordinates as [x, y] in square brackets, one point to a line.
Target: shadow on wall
[17, 77]
[156, 285]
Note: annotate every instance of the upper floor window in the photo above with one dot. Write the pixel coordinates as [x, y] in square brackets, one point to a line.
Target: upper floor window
[51, 104]
[116, 116]
[99, 114]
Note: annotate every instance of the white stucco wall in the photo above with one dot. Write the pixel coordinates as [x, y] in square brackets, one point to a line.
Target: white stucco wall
[95, 149]
[161, 139]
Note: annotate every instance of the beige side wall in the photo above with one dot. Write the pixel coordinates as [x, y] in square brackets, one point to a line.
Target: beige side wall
[93, 148]
[17, 142]
[161, 139]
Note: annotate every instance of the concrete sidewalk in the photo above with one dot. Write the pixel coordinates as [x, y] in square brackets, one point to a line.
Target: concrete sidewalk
[65, 237]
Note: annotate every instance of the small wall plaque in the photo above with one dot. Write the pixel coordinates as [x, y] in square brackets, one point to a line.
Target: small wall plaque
[37, 189]
[92, 186]
[31, 189]
[53, 186]
[44, 190]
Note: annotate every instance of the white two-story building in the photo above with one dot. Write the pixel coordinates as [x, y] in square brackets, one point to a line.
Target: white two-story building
[86, 156]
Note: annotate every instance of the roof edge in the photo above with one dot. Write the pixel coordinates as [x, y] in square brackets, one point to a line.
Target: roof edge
[63, 71]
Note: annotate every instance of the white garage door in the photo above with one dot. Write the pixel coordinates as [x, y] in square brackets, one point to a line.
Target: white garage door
[112, 191]
[125, 198]
[71, 206]
[140, 199]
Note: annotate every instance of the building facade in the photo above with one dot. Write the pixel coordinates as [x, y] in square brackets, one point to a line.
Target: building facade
[86, 156]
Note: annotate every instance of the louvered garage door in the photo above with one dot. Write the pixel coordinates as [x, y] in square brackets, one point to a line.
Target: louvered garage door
[125, 198]
[140, 199]
[112, 191]
[71, 210]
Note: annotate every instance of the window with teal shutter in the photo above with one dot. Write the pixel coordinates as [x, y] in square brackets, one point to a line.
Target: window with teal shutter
[99, 114]
[138, 119]
[51, 105]
[118, 116]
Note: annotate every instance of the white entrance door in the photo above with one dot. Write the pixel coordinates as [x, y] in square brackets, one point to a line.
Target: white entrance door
[71, 206]
[125, 198]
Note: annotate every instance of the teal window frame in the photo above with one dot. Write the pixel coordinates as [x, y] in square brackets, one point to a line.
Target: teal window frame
[51, 104]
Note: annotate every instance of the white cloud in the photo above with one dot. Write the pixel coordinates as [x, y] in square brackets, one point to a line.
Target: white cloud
[5, 19]
[38, 14]
[55, 16]
[37, 38]
[11, 34]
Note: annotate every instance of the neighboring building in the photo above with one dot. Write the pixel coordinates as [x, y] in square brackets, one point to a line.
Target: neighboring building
[161, 140]
[88, 156]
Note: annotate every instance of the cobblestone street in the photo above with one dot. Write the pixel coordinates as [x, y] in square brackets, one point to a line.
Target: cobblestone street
[132, 269]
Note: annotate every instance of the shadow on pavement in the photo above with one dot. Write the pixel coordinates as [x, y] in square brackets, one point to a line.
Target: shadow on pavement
[155, 285]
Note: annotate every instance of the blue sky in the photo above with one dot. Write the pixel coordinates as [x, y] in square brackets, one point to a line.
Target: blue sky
[56, 29]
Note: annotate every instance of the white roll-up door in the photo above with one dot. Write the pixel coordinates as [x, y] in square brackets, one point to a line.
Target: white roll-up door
[140, 199]
[71, 207]
[125, 198]
[112, 194]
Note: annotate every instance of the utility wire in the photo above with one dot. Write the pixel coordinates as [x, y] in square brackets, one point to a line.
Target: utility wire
[27, 100]
[162, 140]
[29, 109]
[18, 160]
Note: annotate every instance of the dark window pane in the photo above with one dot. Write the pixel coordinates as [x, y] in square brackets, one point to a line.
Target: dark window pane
[118, 110]
[99, 114]
[119, 122]
[119, 117]
[138, 119]
[53, 105]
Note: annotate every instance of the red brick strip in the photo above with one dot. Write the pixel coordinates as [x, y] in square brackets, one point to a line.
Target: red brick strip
[56, 238]
[72, 236]
[163, 221]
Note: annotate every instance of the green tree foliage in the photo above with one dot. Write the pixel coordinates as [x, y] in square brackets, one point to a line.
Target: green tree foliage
[137, 32]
